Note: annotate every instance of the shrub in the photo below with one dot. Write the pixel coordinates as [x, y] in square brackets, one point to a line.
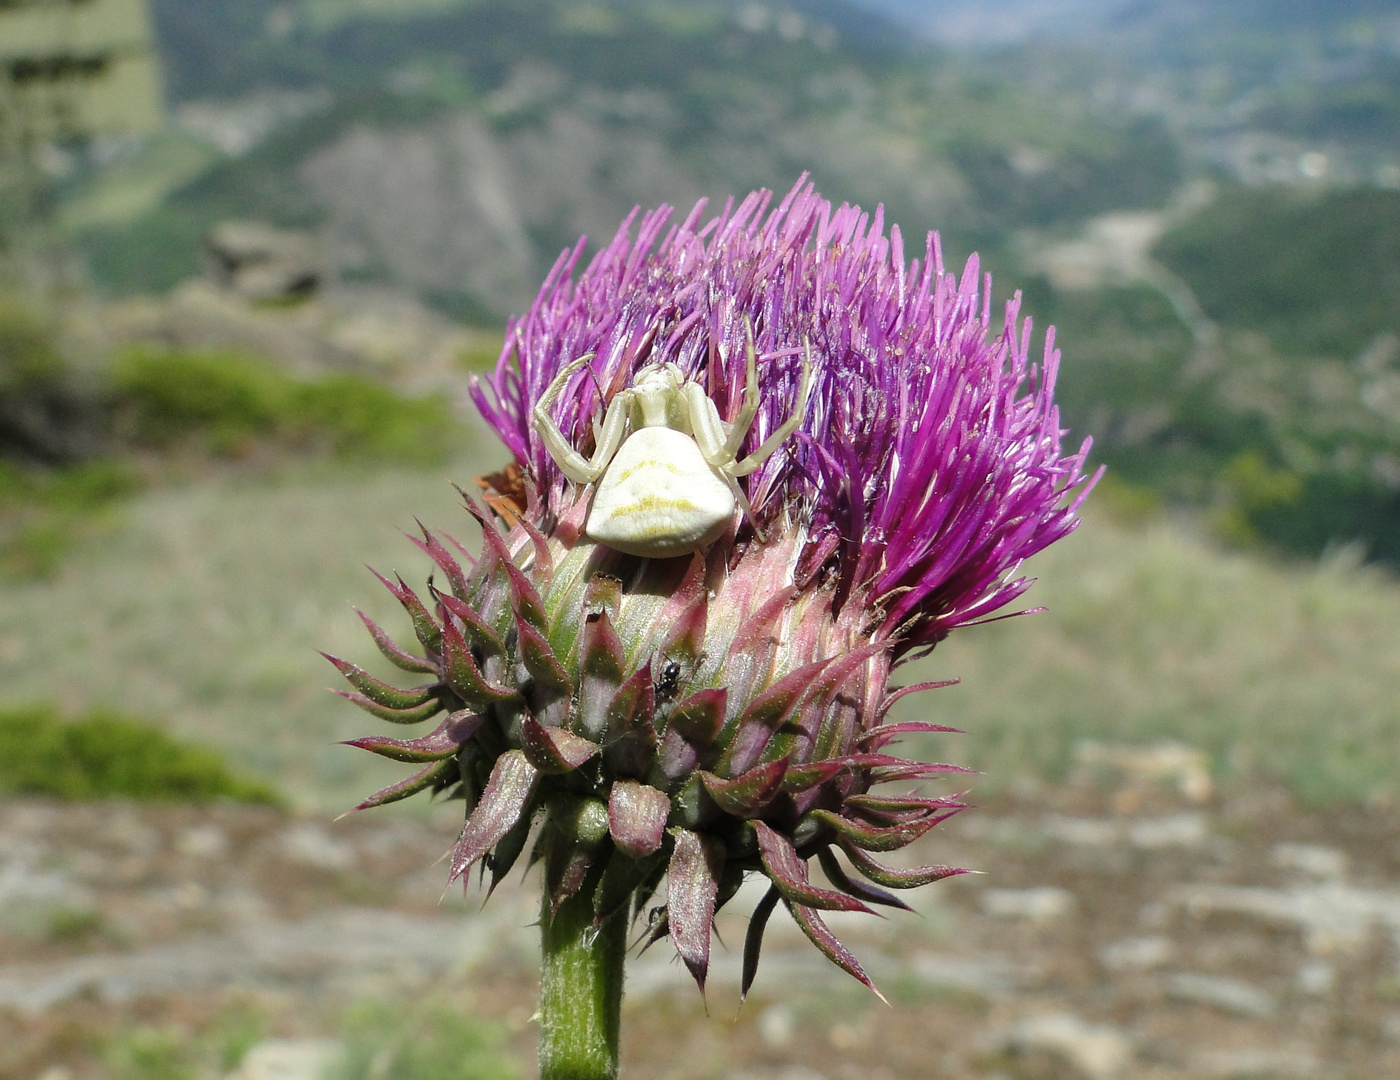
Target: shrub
[365, 420]
[227, 401]
[103, 756]
[169, 396]
[43, 414]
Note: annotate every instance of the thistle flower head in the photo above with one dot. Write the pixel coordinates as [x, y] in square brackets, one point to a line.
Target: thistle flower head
[681, 722]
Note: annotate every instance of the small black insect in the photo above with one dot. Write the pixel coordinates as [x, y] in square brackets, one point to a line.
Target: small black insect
[669, 682]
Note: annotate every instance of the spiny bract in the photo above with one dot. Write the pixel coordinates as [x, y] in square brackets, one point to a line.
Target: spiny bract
[665, 727]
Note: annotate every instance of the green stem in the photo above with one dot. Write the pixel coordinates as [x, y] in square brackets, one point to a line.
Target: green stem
[580, 991]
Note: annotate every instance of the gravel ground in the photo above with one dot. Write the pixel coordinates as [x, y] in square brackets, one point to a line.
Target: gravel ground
[1118, 931]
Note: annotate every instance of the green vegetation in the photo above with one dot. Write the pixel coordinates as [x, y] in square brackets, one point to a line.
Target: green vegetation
[1280, 434]
[962, 144]
[429, 1040]
[73, 445]
[1318, 272]
[226, 403]
[424, 1041]
[45, 511]
[102, 756]
[137, 184]
[148, 1053]
[43, 411]
[151, 1053]
[48, 426]
[1283, 430]
[205, 606]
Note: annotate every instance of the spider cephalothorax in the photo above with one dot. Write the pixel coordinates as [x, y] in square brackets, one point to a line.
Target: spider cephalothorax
[665, 464]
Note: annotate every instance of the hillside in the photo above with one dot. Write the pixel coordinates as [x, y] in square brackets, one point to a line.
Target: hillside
[1234, 357]
[454, 149]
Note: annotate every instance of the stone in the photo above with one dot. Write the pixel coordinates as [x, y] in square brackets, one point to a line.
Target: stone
[260, 263]
[1137, 954]
[1096, 1051]
[1043, 904]
[339, 944]
[1086, 832]
[1178, 830]
[1251, 1063]
[776, 1026]
[31, 899]
[987, 975]
[1219, 992]
[311, 845]
[202, 842]
[1173, 763]
[1323, 863]
[1317, 978]
[1189, 830]
[1332, 916]
[126, 830]
[21, 883]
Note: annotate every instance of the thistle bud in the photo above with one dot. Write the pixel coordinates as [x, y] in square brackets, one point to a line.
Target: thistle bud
[665, 726]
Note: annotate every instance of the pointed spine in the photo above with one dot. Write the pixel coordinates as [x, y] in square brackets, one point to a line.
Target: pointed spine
[381, 693]
[398, 657]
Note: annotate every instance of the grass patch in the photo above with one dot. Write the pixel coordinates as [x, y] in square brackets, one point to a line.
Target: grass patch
[145, 1052]
[101, 756]
[224, 403]
[418, 1040]
[44, 512]
[422, 1041]
[73, 443]
[205, 604]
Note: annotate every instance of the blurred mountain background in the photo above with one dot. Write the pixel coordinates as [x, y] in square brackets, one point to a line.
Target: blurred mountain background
[286, 281]
[1204, 198]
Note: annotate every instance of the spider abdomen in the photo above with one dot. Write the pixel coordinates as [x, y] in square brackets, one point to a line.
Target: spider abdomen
[659, 497]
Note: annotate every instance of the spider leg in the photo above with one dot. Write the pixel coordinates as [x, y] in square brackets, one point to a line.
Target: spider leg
[708, 431]
[571, 463]
[749, 409]
[706, 428]
[612, 432]
[788, 426]
[743, 501]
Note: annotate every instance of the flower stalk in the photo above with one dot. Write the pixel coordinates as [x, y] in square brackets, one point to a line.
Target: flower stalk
[580, 990]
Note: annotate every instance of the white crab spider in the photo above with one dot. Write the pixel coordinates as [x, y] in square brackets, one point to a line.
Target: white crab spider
[665, 463]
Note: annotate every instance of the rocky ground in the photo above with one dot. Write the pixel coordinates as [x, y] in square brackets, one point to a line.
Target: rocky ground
[1120, 930]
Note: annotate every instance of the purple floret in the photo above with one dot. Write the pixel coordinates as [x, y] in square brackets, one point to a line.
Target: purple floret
[928, 465]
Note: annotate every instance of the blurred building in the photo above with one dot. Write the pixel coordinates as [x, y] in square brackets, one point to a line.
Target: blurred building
[76, 67]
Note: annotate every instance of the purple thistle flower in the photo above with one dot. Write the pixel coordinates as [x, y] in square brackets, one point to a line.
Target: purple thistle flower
[929, 464]
[725, 712]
